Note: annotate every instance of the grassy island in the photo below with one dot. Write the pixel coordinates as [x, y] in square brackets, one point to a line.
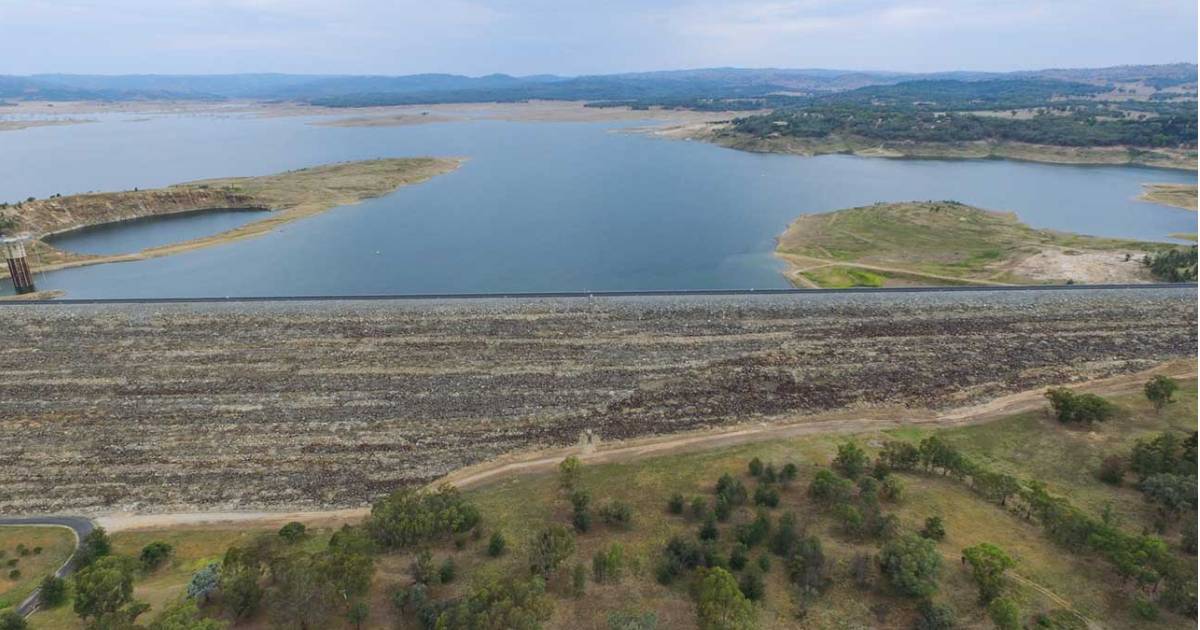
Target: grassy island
[1177, 195]
[289, 196]
[947, 243]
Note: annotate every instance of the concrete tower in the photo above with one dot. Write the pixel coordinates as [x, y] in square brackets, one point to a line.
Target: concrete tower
[18, 266]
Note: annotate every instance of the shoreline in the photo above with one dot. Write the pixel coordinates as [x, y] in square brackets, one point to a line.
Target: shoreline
[718, 134]
[283, 196]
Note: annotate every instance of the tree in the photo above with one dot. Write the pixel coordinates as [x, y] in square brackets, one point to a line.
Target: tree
[508, 604]
[931, 616]
[898, 455]
[52, 591]
[617, 514]
[409, 517]
[785, 536]
[581, 501]
[830, 488]
[238, 579]
[807, 567]
[756, 467]
[1112, 470]
[358, 613]
[720, 604]
[12, 620]
[549, 548]
[675, 505]
[988, 564]
[1005, 614]
[632, 620]
[911, 564]
[751, 585]
[348, 563]
[1072, 408]
[93, 547]
[933, 530]
[292, 532]
[496, 545]
[851, 461]
[1160, 390]
[607, 564]
[204, 582]
[154, 554]
[184, 615]
[570, 470]
[104, 588]
[302, 596]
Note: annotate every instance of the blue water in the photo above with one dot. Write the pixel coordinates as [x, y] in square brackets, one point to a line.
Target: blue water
[537, 206]
[121, 237]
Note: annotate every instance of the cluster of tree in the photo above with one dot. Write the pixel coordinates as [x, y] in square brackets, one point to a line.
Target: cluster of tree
[410, 517]
[1143, 559]
[882, 124]
[613, 513]
[1075, 408]
[1173, 265]
[1166, 471]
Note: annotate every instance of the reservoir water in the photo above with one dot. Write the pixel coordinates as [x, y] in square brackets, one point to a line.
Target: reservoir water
[120, 237]
[537, 206]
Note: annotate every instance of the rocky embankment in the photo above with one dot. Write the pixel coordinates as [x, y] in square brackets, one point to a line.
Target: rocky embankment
[176, 407]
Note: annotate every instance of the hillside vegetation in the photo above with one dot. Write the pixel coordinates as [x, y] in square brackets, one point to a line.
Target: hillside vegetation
[1027, 521]
[946, 242]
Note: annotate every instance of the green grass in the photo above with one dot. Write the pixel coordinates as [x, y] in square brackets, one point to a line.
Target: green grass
[56, 543]
[939, 238]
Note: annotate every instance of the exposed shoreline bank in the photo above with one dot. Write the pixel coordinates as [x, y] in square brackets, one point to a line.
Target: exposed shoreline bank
[719, 133]
[287, 196]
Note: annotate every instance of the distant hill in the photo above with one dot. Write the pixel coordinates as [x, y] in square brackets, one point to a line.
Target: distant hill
[669, 87]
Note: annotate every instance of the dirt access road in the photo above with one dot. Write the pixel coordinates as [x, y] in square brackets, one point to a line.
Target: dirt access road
[546, 461]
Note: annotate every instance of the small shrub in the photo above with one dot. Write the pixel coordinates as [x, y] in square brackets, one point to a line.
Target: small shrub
[699, 508]
[675, 504]
[14, 574]
[448, 571]
[154, 554]
[1005, 614]
[933, 530]
[766, 496]
[37, 551]
[1112, 470]
[752, 585]
[617, 514]
[632, 620]
[756, 467]
[851, 461]
[931, 616]
[1145, 609]
[496, 545]
[607, 564]
[578, 580]
[292, 533]
[709, 530]
[788, 472]
[570, 471]
[739, 557]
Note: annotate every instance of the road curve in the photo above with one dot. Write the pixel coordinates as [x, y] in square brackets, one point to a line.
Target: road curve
[79, 525]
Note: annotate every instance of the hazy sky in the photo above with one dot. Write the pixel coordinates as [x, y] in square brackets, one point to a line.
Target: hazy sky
[583, 37]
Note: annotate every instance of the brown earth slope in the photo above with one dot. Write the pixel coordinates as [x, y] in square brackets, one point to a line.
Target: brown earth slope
[310, 405]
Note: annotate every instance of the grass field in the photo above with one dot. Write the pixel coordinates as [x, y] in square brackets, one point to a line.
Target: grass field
[948, 243]
[1031, 446]
[46, 549]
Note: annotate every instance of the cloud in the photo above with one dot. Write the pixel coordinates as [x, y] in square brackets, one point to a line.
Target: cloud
[584, 36]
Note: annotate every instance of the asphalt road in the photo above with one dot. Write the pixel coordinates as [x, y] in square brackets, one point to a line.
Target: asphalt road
[79, 525]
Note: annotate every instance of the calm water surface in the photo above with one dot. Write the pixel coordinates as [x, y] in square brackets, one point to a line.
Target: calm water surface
[537, 207]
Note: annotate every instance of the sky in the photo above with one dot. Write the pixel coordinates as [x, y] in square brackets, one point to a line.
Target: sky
[571, 37]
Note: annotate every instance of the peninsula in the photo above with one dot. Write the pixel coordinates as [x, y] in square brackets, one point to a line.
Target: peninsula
[288, 196]
[949, 243]
[1177, 195]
